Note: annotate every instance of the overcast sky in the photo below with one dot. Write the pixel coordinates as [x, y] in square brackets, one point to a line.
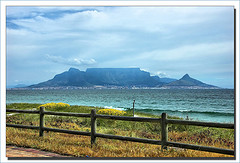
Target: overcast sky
[165, 41]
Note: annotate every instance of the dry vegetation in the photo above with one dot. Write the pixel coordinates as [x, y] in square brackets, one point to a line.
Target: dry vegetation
[79, 146]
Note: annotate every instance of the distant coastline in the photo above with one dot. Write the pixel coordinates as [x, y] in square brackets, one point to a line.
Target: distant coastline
[115, 78]
[113, 87]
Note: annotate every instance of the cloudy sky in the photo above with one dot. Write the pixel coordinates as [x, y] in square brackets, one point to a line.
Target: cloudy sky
[166, 41]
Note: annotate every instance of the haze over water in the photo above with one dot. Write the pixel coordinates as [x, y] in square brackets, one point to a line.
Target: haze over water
[203, 105]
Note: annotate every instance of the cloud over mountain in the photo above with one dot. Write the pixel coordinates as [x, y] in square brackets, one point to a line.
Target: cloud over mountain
[171, 40]
[71, 61]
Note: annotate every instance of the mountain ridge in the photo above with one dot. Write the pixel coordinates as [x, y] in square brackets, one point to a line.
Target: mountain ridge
[187, 81]
[119, 78]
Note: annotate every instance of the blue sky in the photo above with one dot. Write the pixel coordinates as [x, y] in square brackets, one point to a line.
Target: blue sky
[166, 41]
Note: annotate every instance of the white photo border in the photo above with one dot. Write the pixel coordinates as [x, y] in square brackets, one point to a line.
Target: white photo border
[5, 3]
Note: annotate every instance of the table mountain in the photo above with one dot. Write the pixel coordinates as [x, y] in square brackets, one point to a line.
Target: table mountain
[119, 77]
[126, 77]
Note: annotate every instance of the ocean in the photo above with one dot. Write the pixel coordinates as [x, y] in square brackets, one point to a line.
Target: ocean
[210, 105]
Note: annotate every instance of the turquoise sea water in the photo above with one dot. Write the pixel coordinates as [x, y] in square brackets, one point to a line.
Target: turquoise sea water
[202, 105]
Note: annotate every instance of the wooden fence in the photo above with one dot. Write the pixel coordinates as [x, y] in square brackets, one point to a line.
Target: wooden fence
[163, 120]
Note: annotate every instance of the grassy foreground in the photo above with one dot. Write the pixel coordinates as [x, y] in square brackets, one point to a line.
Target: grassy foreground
[79, 146]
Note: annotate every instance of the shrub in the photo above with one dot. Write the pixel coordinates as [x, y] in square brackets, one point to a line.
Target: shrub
[53, 105]
[111, 112]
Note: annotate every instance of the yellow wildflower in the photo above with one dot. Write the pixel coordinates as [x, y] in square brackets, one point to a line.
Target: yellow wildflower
[53, 105]
[111, 112]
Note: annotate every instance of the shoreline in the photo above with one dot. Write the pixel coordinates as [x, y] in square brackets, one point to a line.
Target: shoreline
[187, 115]
[122, 88]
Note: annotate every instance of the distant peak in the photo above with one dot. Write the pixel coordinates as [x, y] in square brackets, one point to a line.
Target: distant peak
[73, 69]
[186, 76]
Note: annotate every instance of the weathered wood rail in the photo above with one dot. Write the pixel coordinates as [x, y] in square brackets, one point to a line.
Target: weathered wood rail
[163, 121]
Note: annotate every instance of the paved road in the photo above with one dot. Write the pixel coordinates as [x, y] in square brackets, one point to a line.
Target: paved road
[13, 151]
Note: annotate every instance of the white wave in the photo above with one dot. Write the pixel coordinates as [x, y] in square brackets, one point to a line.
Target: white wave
[111, 107]
[184, 110]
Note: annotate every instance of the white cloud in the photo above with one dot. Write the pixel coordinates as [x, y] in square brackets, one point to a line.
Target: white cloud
[27, 12]
[161, 74]
[158, 39]
[192, 51]
[71, 61]
[131, 18]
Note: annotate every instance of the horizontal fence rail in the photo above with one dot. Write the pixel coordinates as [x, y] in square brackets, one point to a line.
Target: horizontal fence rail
[201, 148]
[125, 118]
[22, 111]
[67, 131]
[67, 114]
[204, 124]
[23, 126]
[163, 121]
[140, 140]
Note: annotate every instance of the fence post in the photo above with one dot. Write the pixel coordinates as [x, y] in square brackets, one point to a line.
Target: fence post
[41, 125]
[164, 131]
[93, 126]
[133, 107]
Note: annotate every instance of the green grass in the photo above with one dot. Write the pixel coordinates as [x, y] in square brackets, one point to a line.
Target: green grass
[22, 106]
[216, 137]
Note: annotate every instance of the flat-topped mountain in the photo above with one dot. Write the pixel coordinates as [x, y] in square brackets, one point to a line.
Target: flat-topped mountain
[121, 77]
[117, 77]
[126, 77]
